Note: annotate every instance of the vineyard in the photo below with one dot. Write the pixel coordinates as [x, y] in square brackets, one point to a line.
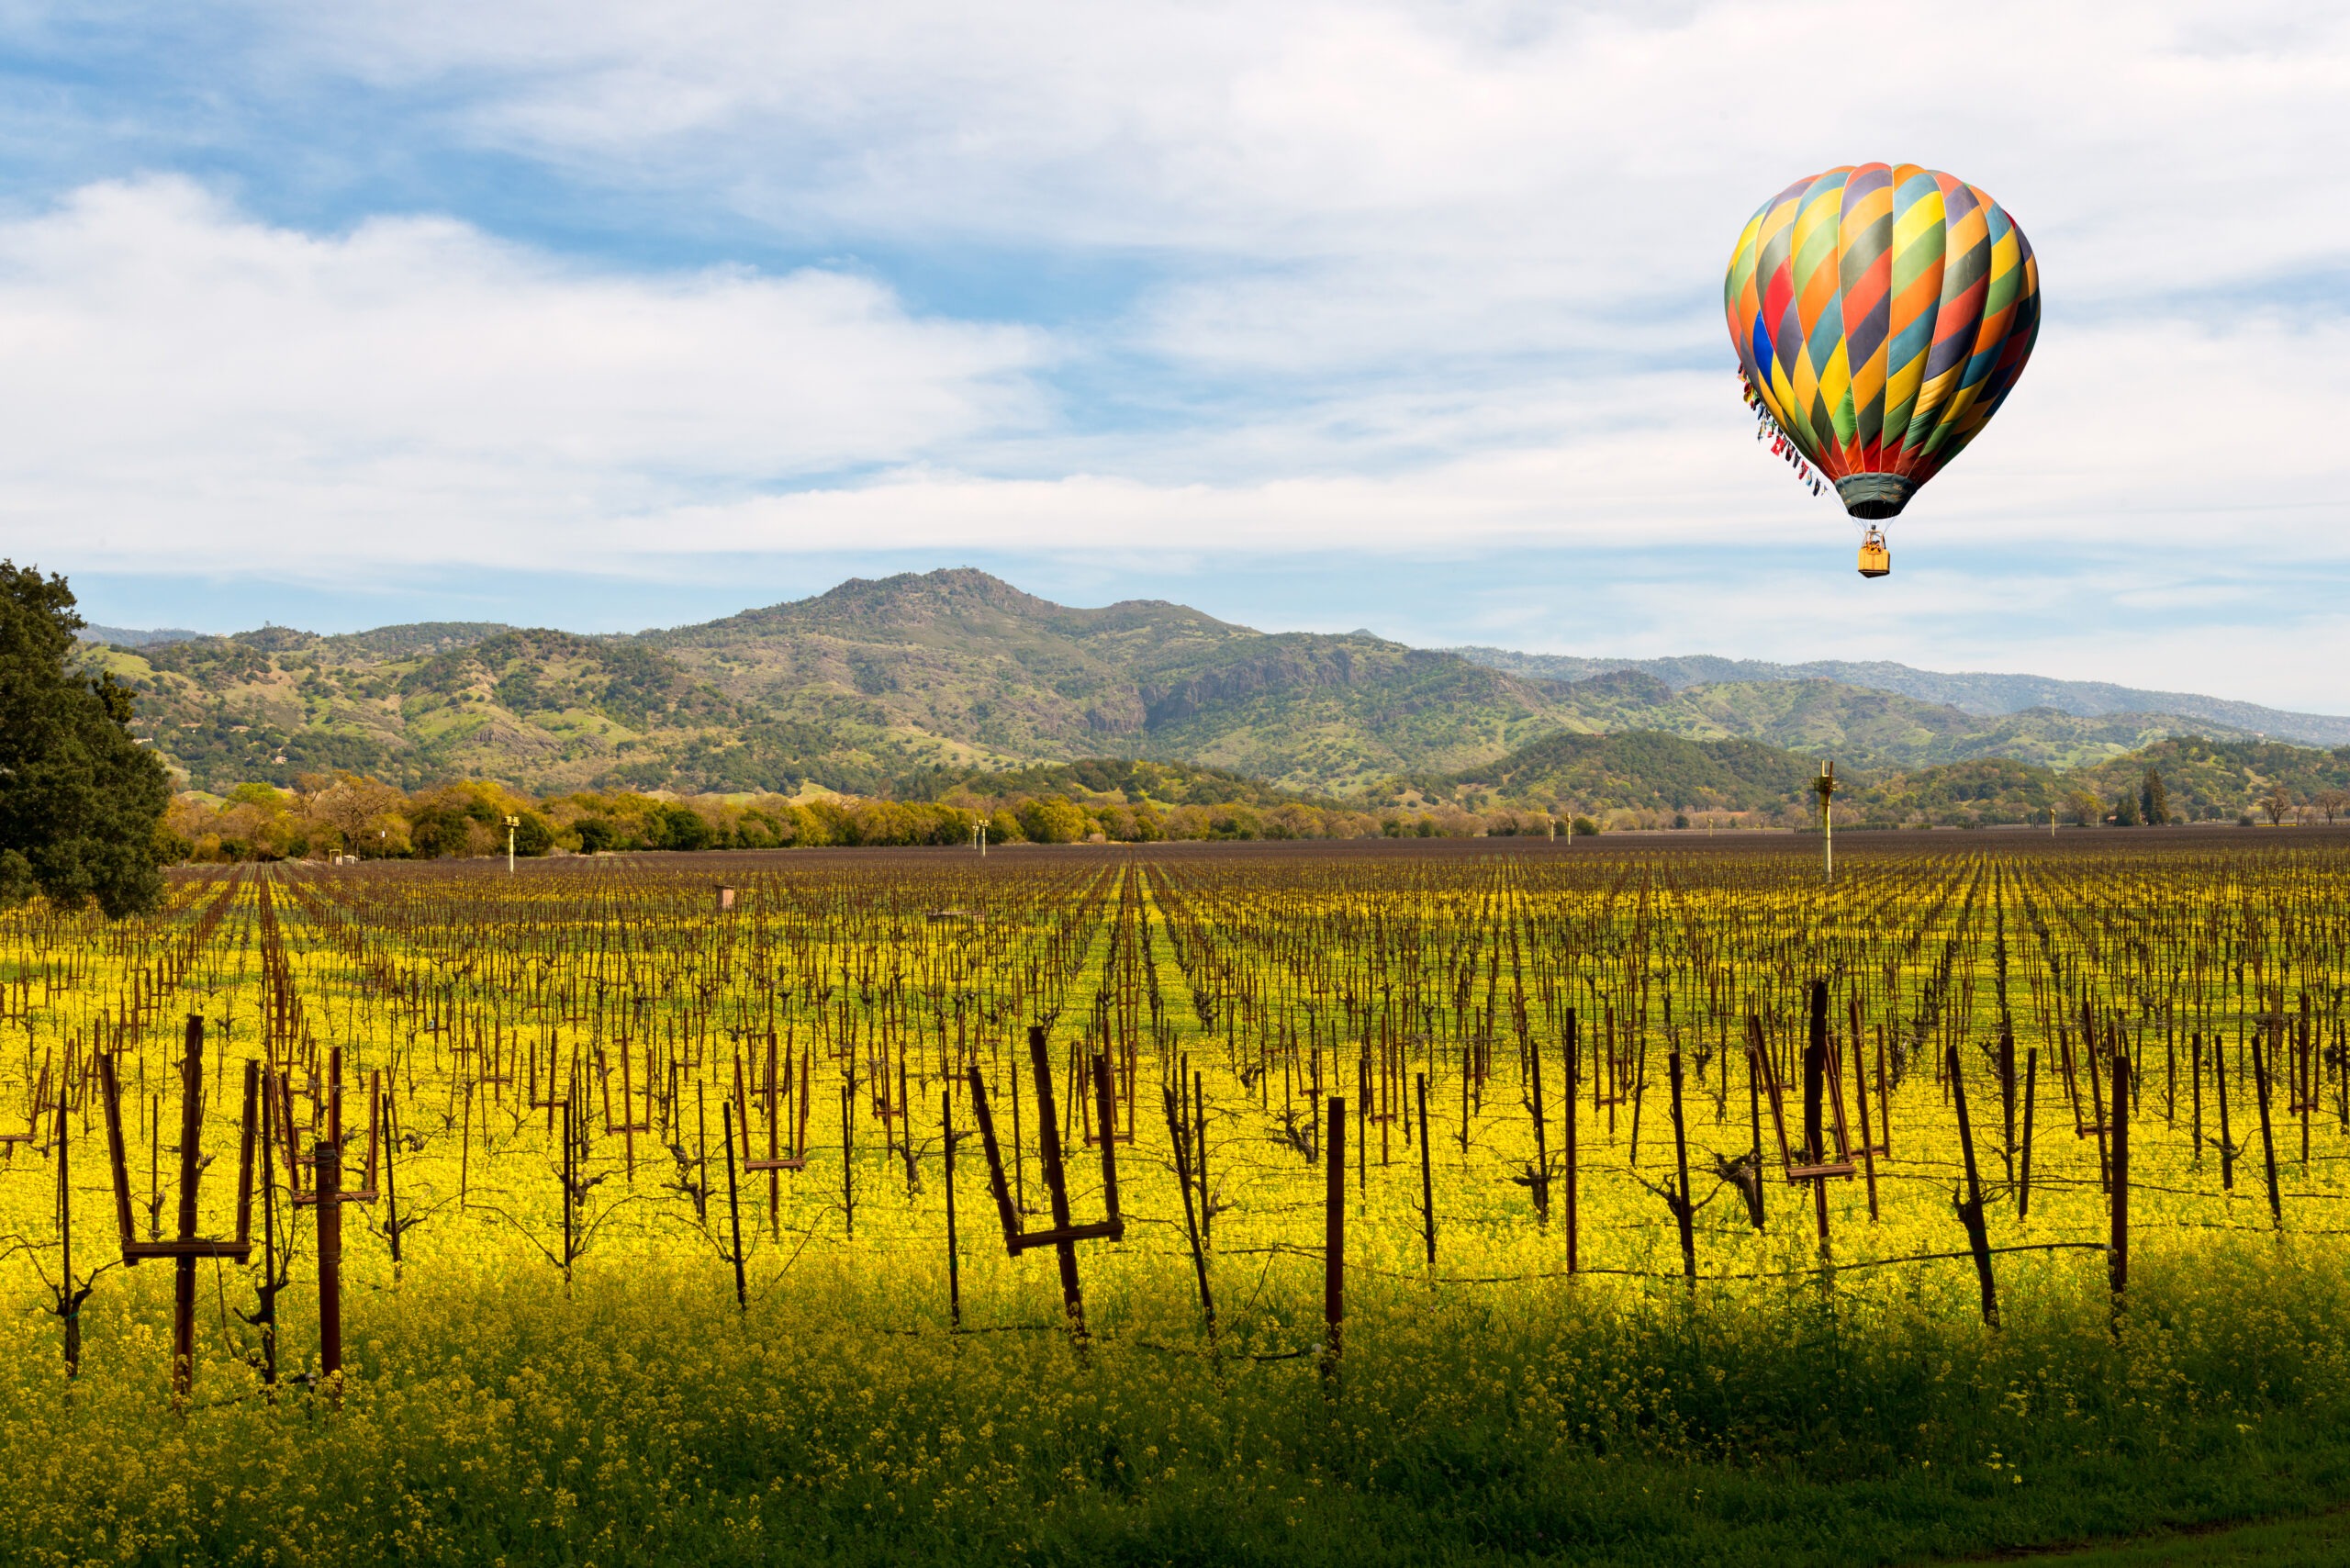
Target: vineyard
[1438, 1200]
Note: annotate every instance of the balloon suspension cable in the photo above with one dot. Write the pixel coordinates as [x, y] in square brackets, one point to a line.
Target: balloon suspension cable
[1783, 445]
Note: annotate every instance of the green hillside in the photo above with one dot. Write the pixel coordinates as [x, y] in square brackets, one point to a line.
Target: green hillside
[903, 686]
[890, 687]
[1636, 769]
[2208, 778]
[1654, 773]
[1132, 783]
[1983, 693]
[961, 666]
[1859, 726]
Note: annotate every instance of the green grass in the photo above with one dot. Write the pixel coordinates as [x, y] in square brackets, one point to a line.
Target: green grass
[637, 1419]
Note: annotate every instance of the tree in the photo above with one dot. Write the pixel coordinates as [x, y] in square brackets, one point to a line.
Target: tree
[2332, 802]
[2085, 808]
[2276, 803]
[1052, 820]
[2125, 809]
[685, 828]
[533, 835]
[81, 804]
[2154, 800]
[359, 814]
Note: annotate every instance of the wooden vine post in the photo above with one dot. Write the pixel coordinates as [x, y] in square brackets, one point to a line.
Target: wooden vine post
[2117, 1253]
[1970, 1211]
[326, 1175]
[1178, 1137]
[1334, 1244]
[2262, 1071]
[328, 1195]
[2031, 1089]
[954, 1256]
[734, 1205]
[1428, 1187]
[1567, 1136]
[1065, 1233]
[186, 1246]
[1684, 1213]
[1811, 1162]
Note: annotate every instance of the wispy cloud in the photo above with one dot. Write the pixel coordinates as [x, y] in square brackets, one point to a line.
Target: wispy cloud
[449, 283]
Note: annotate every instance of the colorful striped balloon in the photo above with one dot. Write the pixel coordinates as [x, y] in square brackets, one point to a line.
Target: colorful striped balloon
[1882, 313]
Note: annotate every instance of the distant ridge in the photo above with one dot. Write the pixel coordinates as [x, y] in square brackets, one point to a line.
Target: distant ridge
[902, 685]
[1983, 693]
[126, 637]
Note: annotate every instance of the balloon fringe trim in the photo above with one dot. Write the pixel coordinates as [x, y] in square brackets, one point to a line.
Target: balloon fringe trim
[1783, 445]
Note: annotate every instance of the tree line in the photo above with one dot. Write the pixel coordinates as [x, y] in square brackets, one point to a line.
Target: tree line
[348, 813]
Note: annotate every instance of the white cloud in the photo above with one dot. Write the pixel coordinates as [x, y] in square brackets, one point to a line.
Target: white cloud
[193, 385]
[1627, 139]
[1385, 276]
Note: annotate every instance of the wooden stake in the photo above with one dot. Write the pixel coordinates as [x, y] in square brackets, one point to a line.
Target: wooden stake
[1334, 1242]
[2260, 1074]
[1683, 1213]
[2031, 1087]
[326, 1176]
[1427, 1189]
[954, 1257]
[183, 1280]
[734, 1205]
[1970, 1211]
[1570, 1053]
[2118, 1252]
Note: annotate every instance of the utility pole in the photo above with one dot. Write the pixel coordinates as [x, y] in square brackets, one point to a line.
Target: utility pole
[1826, 785]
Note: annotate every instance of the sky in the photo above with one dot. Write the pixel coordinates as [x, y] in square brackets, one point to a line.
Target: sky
[1317, 317]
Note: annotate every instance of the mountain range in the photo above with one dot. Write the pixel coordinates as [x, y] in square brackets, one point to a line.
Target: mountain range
[1978, 692]
[904, 684]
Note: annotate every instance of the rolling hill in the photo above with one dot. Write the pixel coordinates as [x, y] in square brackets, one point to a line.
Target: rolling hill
[902, 685]
[883, 687]
[1980, 693]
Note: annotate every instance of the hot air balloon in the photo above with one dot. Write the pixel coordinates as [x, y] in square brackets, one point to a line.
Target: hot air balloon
[1882, 313]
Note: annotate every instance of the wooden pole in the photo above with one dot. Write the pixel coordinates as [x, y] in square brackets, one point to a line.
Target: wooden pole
[1860, 1084]
[1178, 1136]
[1049, 1150]
[1541, 1138]
[2117, 1253]
[1427, 1188]
[1754, 1119]
[1200, 1165]
[2260, 1075]
[70, 1303]
[570, 1186]
[326, 1181]
[2031, 1087]
[183, 1273]
[1568, 1128]
[1815, 1078]
[953, 1254]
[1334, 1240]
[391, 1183]
[1970, 1211]
[733, 1203]
[1682, 1214]
[848, 1158]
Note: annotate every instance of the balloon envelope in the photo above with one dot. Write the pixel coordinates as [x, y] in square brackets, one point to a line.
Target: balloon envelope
[1882, 313]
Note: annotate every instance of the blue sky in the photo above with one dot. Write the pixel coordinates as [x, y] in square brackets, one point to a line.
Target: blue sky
[1373, 315]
